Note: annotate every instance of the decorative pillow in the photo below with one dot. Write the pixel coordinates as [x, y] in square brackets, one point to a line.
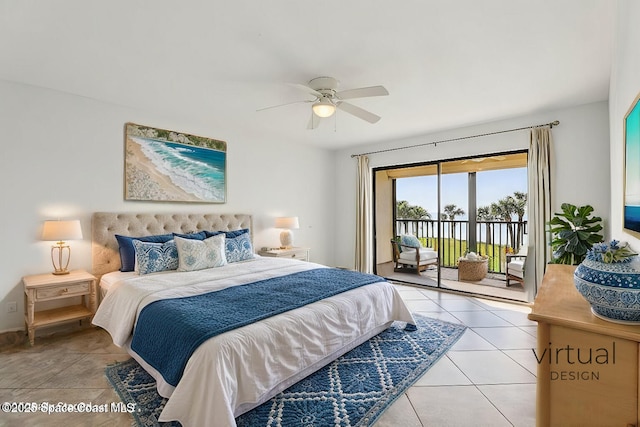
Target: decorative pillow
[196, 254]
[128, 252]
[198, 236]
[236, 233]
[153, 257]
[238, 245]
[409, 240]
[215, 233]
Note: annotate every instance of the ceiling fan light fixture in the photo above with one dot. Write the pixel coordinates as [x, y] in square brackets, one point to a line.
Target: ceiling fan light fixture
[324, 108]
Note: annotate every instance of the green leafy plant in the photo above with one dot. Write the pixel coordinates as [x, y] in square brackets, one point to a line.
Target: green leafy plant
[573, 233]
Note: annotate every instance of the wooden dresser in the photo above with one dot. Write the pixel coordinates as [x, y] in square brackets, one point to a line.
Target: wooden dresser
[587, 367]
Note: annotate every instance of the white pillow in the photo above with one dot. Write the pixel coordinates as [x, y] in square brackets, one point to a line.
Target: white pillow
[200, 254]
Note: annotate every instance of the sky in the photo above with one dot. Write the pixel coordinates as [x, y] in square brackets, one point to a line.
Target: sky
[491, 186]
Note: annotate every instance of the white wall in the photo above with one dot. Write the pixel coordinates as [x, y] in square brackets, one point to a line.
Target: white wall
[625, 86]
[63, 156]
[581, 152]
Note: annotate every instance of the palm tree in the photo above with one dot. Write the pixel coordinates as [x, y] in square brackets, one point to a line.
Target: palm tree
[451, 211]
[504, 210]
[520, 200]
[484, 214]
[404, 210]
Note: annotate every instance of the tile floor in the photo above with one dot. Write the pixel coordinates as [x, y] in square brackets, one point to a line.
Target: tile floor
[486, 379]
[493, 285]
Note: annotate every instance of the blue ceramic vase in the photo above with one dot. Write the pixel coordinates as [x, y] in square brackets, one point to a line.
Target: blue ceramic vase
[612, 289]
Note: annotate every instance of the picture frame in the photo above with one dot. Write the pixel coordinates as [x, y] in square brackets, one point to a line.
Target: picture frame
[631, 208]
[168, 166]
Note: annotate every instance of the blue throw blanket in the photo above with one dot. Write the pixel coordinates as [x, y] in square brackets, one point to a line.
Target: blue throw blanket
[169, 331]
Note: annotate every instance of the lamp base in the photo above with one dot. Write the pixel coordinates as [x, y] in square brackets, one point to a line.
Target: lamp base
[286, 239]
[59, 268]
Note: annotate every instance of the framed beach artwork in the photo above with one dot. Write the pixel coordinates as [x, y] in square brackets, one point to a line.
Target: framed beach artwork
[168, 166]
[632, 168]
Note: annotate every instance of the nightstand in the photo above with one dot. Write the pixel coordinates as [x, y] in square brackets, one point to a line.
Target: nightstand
[47, 287]
[297, 253]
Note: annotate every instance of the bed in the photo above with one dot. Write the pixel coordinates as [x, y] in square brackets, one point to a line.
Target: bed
[239, 368]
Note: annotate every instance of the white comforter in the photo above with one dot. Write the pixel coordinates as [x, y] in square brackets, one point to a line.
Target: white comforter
[236, 371]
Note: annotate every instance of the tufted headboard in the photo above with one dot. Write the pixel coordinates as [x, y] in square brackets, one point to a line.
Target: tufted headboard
[105, 225]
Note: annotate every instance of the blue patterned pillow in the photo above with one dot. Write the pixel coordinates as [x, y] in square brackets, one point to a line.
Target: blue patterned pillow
[238, 245]
[194, 254]
[409, 240]
[153, 257]
[128, 252]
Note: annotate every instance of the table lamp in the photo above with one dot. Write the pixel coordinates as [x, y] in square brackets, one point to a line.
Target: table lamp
[59, 231]
[286, 236]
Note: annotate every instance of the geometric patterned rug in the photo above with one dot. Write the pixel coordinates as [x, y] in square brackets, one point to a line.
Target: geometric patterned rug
[354, 390]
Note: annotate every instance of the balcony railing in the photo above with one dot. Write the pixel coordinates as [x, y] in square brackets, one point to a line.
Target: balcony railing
[493, 238]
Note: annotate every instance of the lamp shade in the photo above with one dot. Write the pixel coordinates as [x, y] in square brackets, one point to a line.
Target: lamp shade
[324, 108]
[60, 231]
[289, 223]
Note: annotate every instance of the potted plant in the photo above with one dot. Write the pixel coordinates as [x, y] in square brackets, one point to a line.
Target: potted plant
[573, 233]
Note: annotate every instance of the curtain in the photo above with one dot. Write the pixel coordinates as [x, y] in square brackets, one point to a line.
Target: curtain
[539, 169]
[363, 217]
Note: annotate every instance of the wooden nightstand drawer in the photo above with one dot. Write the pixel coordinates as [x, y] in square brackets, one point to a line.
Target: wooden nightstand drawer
[295, 253]
[63, 291]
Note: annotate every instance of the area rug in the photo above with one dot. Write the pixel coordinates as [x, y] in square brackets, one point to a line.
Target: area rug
[354, 390]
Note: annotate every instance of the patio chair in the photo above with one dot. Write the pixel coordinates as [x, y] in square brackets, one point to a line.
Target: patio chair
[410, 255]
[515, 264]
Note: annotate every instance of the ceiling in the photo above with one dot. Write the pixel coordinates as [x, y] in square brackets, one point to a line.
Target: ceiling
[446, 64]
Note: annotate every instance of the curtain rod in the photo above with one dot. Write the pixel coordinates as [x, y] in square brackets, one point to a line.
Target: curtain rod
[435, 143]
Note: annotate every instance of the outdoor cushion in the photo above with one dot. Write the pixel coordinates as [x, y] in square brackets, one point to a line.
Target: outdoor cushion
[516, 268]
[425, 254]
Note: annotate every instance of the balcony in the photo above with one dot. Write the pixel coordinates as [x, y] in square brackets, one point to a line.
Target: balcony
[490, 238]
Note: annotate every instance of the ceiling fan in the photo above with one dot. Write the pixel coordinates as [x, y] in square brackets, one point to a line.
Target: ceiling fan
[328, 99]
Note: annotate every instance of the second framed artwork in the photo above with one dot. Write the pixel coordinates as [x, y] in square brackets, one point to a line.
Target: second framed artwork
[632, 167]
[168, 166]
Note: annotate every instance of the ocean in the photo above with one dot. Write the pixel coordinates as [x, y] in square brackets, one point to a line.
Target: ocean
[632, 218]
[196, 170]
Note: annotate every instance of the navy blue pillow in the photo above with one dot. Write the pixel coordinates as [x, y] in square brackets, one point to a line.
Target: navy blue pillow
[229, 234]
[197, 236]
[236, 233]
[212, 233]
[128, 252]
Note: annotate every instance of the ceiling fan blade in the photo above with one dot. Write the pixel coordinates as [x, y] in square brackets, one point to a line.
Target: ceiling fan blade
[362, 92]
[282, 105]
[358, 112]
[306, 89]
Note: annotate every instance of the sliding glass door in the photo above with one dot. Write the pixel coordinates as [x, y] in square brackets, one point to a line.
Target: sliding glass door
[471, 211]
